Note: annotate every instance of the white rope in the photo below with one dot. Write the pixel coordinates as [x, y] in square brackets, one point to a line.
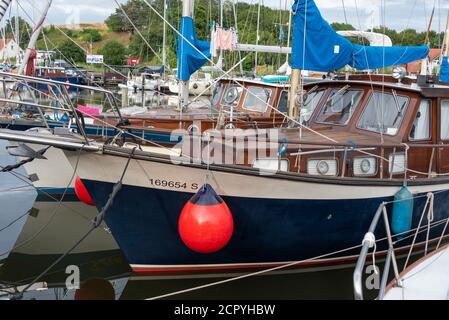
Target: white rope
[429, 203]
[430, 218]
[370, 240]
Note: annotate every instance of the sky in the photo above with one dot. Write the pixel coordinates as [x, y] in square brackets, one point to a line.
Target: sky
[363, 14]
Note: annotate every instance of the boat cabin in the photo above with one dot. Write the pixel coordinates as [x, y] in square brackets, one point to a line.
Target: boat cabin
[359, 129]
[251, 97]
[236, 103]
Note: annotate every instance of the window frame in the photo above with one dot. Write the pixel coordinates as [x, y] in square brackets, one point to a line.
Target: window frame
[247, 93]
[280, 99]
[225, 90]
[439, 124]
[323, 105]
[366, 106]
[430, 122]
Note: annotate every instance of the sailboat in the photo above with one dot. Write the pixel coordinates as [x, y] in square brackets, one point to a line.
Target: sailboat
[304, 196]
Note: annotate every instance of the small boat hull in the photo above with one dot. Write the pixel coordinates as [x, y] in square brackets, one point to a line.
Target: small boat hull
[17, 197]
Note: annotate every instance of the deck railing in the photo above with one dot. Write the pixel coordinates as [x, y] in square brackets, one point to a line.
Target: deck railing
[369, 242]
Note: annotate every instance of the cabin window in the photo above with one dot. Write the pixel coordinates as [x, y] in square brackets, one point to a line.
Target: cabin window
[217, 93]
[283, 103]
[232, 95]
[340, 106]
[257, 99]
[384, 113]
[421, 125]
[310, 104]
[444, 116]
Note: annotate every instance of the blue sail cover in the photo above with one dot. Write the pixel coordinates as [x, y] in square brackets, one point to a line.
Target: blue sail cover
[317, 47]
[444, 70]
[189, 59]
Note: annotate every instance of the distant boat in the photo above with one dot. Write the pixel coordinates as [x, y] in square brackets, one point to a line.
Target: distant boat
[426, 279]
[17, 196]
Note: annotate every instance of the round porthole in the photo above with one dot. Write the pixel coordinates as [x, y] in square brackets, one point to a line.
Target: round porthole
[193, 129]
[322, 167]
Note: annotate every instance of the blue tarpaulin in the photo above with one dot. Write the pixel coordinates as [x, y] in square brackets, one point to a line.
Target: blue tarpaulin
[444, 70]
[189, 59]
[317, 47]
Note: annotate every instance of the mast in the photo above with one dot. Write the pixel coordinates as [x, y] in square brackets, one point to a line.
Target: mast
[164, 36]
[220, 58]
[257, 38]
[237, 31]
[289, 34]
[293, 110]
[34, 36]
[17, 30]
[445, 47]
[184, 85]
[4, 4]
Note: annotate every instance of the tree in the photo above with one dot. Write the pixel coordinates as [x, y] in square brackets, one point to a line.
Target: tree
[71, 52]
[24, 31]
[136, 10]
[91, 35]
[114, 52]
[115, 22]
[337, 26]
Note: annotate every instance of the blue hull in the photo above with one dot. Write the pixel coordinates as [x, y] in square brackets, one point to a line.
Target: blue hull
[145, 224]
[71, 80]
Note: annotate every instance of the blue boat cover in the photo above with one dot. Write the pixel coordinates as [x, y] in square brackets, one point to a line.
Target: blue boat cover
[444, 70]
[317, 47]
[189, 59]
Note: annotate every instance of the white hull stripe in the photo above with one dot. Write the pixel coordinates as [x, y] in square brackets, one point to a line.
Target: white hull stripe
[152, 174]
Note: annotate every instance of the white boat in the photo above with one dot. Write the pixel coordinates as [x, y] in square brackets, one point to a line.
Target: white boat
[58, 212]
[143, 82]
[17, 196]
[199, 84]
[426, 279]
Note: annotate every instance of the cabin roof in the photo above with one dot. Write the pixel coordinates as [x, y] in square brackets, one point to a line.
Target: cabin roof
[258, 82]
[431, 91]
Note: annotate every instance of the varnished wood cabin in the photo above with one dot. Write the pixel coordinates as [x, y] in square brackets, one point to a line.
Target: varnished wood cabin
[349, 139]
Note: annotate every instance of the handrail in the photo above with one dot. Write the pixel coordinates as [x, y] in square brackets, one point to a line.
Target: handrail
[370, 241]
[357, 276]
[62, 88]
[366, 245]
[53, 82]
[32, 104]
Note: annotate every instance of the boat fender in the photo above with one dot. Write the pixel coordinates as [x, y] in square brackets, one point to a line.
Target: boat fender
[206, 224]
[65, 118]
[82, 193]
[283, 148]
[401, 220]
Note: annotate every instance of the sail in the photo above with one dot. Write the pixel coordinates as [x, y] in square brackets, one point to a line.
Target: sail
[444, 70]
[317, 47]
[189, 59]
[4, 4]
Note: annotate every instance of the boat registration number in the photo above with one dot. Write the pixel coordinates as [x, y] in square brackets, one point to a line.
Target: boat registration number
[173, 184]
